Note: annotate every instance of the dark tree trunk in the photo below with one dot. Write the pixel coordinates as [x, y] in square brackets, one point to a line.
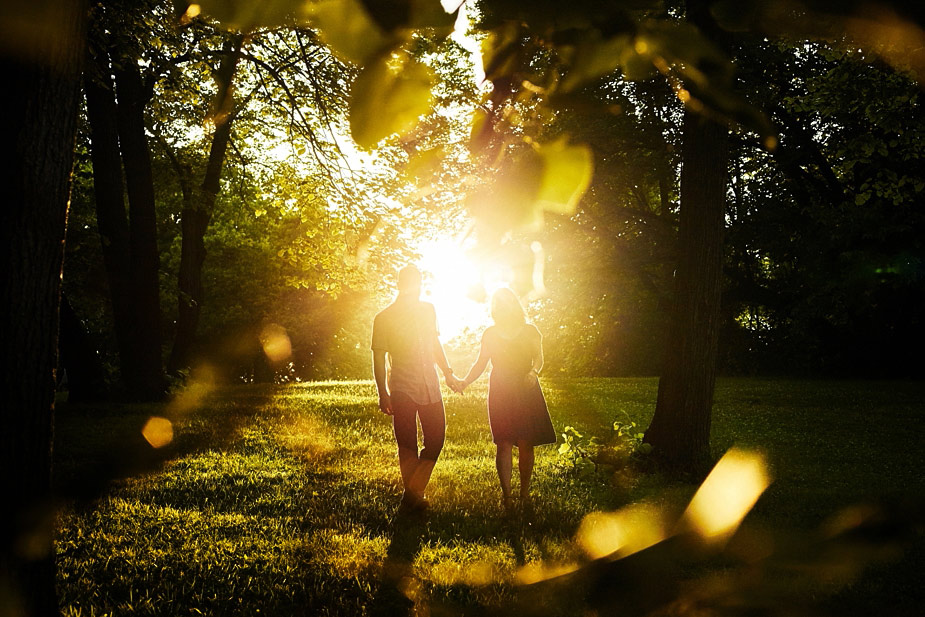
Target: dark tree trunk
[193, 225]
[680, 428]
[147, 381]
[198, 212]
[79, 358]
[38, 114]
[110, 205]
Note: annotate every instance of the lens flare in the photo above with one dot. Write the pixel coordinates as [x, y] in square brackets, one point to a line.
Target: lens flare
[621, 533]
[537, 571]
[457, 286]
[727, 495]
[201, 383]
[276, 344]
[158, 431]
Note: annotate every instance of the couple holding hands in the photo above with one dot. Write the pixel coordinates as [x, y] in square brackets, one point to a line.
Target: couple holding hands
[405, 334]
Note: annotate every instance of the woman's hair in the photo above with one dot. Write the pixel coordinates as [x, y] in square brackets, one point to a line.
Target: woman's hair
[506, 309]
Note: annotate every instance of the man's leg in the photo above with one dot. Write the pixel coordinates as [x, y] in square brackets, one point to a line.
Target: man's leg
[404, 425]
[433, 428]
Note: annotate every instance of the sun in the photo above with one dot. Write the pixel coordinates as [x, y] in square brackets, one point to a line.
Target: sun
[457, 285]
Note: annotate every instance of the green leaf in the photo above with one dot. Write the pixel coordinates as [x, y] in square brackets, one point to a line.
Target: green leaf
[688, 50]
[509, 202]
[500, 50]
[246, 15]
[594, 58]
[567, 171]
[388, 96]
[394, 15]
[431, 14]
[346, 27]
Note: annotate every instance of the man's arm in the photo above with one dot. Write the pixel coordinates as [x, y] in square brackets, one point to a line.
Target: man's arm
[444, 365]
[385, 400]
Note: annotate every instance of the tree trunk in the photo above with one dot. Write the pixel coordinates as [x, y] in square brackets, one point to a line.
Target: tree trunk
[38, 114]
[79, 359]
[680, 428]
[110, 205]
[197, 214]
[148, 380]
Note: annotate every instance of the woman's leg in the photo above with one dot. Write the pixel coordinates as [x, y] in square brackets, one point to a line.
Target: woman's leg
[525, 465]
[505, 463]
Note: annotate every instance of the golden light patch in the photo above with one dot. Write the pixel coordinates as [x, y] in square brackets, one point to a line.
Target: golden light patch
[472, 574]
[158, 431]
[849, 518]
[275, 342]
[349, 554]
[197, 388]
[621, 533]
[536, 571]
[411, 588]
[308, 437]
[727, 495]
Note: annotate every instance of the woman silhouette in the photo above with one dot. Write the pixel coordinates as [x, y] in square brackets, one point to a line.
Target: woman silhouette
[517, 409]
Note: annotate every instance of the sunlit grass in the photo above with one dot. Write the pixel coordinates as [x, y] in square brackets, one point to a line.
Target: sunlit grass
[283, 499]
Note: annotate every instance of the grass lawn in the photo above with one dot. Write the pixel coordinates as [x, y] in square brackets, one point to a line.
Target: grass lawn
[281, 500]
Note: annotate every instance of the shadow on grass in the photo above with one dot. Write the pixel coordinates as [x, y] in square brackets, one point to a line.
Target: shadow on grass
[97, 445]
[397, 586]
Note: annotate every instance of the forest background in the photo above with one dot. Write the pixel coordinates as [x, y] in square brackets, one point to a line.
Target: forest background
[822, 265]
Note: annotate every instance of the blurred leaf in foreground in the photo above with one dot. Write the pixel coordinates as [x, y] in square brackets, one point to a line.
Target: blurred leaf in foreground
[567, 171]
[346, 27]
[388, 96]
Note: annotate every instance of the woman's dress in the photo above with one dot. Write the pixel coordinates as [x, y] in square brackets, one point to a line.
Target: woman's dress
[517, 410]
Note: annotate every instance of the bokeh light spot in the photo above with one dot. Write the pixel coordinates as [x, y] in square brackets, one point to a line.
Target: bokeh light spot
[623, 532]
[537, 571]
[275, 342]
[158, 431]
[727, 495]
[201, 383]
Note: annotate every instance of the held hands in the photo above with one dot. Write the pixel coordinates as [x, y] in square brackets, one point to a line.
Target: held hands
[455, 384]
[530, 379]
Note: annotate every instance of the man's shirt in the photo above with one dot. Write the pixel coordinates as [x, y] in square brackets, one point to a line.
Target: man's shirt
[407, 330]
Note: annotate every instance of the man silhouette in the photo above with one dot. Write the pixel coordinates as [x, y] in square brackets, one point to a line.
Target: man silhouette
[406, 332]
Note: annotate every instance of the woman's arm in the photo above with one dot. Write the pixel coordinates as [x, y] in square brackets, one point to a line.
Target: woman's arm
[480, 363]
[538, 359]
